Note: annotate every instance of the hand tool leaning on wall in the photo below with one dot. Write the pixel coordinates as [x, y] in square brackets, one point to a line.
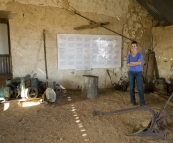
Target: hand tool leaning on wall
[152, 128]
[112, 86]
[50, 95]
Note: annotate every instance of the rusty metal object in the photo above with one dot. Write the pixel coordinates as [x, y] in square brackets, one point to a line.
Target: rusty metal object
[58, 92]
[91, 26]
[90, 86]
[32, 92]
[27, 82]
[153, 127]
[73, 11]
[55, 93]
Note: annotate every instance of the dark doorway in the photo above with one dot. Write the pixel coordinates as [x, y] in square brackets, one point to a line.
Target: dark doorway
[5, 54]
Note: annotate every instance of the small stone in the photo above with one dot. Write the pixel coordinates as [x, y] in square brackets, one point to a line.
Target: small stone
[145, 123]
[61, 139]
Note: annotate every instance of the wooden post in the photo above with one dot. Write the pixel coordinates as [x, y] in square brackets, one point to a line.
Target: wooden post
[44, 39]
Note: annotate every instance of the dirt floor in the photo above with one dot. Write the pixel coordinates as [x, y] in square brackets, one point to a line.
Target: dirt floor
[73, 120]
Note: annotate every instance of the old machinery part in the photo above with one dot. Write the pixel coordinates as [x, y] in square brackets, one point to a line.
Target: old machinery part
[32, 92]
[154, 125]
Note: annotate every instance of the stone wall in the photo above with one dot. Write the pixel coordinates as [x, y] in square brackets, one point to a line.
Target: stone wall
[26, 31]
[163, 47]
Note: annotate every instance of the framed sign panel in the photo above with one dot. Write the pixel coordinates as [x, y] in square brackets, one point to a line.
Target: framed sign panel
[83, 52]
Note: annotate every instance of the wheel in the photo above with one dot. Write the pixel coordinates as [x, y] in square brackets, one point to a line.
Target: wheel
[32, 92]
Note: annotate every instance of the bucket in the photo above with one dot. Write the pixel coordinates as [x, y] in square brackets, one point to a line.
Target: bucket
[90, 86]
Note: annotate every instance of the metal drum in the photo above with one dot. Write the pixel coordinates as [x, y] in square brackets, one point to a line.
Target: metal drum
[90, 86]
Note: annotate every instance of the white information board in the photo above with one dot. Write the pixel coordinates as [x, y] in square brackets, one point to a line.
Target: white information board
[83, 52]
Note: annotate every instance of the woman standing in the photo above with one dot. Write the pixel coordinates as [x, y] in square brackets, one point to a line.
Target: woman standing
[134, 61]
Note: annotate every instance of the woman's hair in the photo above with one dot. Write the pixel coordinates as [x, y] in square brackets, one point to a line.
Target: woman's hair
[134, 42]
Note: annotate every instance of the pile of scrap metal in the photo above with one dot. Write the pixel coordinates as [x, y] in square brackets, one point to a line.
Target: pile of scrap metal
[10, 89]
[24, 87]
[122, 85]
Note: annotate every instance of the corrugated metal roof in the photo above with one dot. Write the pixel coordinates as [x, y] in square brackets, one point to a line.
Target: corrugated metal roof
[161, 10]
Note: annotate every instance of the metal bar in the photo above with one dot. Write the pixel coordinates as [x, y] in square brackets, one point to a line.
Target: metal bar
[168, 114]
[95, 113]
[153, 126]
[147, 134]
[164, 117]
[8, 65]
[103, 26]
[166, 104]
[7, 55]
[5, 65]
[2, 65]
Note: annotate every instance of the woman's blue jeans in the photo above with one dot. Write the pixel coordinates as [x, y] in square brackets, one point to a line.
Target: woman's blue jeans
[136, 76]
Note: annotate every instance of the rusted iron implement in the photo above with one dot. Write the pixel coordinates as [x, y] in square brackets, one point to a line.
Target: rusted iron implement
[152, 128]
